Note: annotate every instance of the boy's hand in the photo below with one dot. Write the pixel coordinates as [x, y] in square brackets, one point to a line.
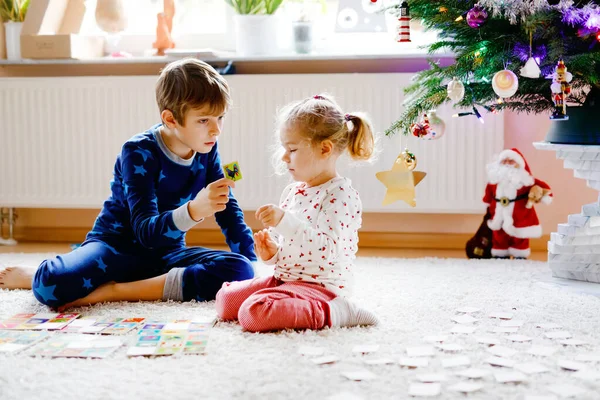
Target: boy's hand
[265, 245]
[269, 215]
[211, 199]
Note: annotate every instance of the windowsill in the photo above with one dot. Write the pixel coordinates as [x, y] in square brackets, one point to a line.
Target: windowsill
[224, 57]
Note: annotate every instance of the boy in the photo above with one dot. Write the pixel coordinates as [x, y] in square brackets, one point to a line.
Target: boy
[166, 180]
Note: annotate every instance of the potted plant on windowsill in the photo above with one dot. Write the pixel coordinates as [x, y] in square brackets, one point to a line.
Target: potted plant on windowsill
[303, 23]
[12, 12]
[255, 26]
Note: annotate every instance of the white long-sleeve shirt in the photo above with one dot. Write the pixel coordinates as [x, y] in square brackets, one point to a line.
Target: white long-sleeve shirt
[318, 234]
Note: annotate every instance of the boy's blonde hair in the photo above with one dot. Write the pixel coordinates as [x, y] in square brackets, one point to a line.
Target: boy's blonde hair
[191, 84]
[320, 118]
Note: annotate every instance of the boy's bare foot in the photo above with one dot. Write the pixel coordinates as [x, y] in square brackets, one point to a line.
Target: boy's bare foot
[101, 294]
[16, 277]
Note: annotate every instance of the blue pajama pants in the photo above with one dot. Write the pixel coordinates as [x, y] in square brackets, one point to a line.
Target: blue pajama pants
[65, 278]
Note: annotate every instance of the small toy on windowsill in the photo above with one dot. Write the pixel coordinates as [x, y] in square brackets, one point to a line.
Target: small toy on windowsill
[232, 171]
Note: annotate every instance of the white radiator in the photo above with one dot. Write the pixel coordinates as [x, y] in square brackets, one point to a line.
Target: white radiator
[60, 137]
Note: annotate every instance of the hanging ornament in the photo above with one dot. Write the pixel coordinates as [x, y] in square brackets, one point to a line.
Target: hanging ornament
[421, 129]
[401, 180]
[505, 83]
[404, 26]
[456, 90]
[437, 126]
[476, 17]
[560, 90]
[531, 68]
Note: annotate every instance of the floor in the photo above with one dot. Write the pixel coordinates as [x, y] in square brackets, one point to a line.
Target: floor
[27, 247]
[415, 298]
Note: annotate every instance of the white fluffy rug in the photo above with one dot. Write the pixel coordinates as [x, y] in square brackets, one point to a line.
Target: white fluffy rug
[413, 297]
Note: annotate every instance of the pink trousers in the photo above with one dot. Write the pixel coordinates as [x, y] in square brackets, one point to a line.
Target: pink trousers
[267, 304]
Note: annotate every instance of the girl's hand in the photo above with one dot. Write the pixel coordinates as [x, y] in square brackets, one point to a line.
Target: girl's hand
[265, 245]
[269, 215]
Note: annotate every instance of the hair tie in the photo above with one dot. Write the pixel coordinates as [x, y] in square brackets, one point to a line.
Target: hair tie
[348, 117]
[318, 97]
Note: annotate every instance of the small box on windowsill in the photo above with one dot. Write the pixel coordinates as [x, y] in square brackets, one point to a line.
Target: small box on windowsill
[51, 31]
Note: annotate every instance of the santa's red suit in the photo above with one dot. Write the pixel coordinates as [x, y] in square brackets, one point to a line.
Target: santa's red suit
[507, 193]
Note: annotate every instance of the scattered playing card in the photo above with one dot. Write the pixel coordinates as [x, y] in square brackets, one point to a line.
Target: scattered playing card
[505, 329]
[509, 376]
[572, 342]
[463, 329]
[344, 396]
[549, 326]
[520, 338]
[424, 389]
[466, 387]
[429, 378]
[311, 351]
[359, 375]
[501, 351]
[544, 351]
[468, 310]
[450, 347]
[565, 390]
[588, 357]
[379, 361]
[367, 348]
[558, 335]
[487, 340]
[501, 315]
[458, 361]
[587, 375]
[414, 362]
[531, 368]
[420, 351]
[464, 319]
[232, 171]
[435, 338]
[571, 365]
[473, 373]
[500, 362]
[325, 360]
[515, 323]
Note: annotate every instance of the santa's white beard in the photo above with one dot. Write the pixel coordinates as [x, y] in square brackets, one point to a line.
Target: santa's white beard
[508, 175]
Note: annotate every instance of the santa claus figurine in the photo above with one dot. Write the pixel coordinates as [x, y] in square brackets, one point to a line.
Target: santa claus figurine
[510, 193]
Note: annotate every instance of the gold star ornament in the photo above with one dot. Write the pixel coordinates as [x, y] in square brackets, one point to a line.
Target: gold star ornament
[401, 180]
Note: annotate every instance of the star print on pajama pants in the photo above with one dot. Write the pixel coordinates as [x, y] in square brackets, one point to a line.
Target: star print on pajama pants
[65, 278]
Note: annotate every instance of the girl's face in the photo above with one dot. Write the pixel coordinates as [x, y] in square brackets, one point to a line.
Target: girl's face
[303, 161]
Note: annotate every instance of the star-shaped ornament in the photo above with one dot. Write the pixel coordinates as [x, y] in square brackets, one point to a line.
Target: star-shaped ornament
[401, 180]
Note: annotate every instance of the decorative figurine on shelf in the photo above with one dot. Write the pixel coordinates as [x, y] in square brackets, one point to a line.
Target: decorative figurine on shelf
[404, 26]
[509, 193]
[164, 27]
[111, 18]
[560, 90]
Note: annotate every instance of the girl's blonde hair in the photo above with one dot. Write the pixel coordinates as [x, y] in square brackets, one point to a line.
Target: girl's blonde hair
[320, 118]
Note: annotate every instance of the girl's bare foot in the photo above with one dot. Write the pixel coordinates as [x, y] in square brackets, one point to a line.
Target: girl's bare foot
[101, 294]
[16, 277]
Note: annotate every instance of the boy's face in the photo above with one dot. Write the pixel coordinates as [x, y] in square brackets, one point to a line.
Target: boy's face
[201, 130]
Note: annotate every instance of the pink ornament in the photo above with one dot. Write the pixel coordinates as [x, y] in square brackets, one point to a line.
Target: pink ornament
[476, 17]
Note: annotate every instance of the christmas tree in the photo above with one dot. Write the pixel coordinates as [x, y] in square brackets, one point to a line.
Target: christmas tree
[524, 37]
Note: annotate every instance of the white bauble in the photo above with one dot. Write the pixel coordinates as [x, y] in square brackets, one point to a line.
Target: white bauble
[505, 83]
[456, 90]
